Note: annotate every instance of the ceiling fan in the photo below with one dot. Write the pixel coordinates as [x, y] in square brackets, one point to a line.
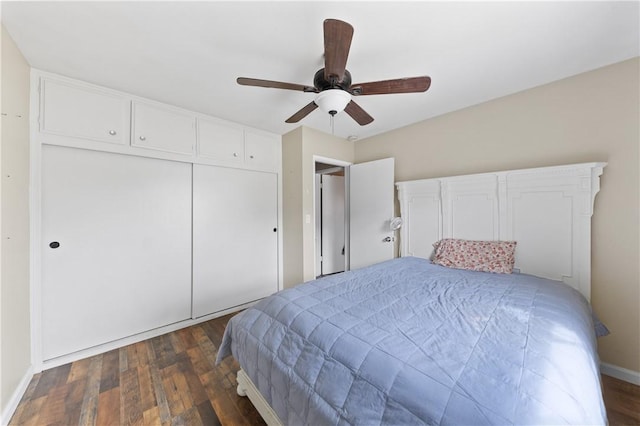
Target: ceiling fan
[333, 82]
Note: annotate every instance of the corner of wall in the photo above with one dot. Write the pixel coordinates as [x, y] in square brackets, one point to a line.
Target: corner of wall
[16, 369]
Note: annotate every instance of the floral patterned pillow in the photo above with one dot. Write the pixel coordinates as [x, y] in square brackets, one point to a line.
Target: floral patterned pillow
[485, 256]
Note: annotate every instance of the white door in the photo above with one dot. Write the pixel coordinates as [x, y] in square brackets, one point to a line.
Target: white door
[371, 208]
[116, 252]
[235, 239]
[333, 219]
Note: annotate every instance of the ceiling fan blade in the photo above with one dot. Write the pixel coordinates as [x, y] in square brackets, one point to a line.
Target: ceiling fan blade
[399, 85]
[357, 113]
[244, 81]
[302, 113]
[337, 42]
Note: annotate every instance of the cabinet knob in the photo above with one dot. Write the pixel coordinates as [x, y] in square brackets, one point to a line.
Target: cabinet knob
[235, 154]
[251, 156]
[54, 244]
[142, 138]
[112, 132]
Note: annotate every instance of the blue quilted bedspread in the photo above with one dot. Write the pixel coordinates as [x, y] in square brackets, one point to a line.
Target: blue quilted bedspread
[408, 342]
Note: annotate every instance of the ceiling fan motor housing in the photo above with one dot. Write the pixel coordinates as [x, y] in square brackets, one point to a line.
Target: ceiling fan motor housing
[320, 83]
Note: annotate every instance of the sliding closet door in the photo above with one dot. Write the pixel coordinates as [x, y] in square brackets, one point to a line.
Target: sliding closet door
[116, 255]
[235, 240]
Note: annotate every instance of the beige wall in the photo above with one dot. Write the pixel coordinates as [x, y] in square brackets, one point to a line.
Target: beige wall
[14, 214]
[593, 116]
[293, 270]
[298, 150]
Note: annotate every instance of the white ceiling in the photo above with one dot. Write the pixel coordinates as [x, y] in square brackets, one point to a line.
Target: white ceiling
[190, 53]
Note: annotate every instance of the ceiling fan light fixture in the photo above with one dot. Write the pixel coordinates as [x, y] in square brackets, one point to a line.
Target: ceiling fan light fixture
[333, 101]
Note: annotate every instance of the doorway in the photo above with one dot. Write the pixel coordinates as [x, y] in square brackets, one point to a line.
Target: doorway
[330, 219]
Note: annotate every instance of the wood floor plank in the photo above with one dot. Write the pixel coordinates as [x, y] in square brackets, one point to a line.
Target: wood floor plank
[161, 397]
[188, 417]
[170, 387]
[123, 361]
[50, 379]
[108, 412]
[187, 338]
[173, 380]
[195, 388]
[53, 410]
[130, 397]
[73, 401]
[162, 347]
[110, 377]
[137, 355]
[79, 370]
[31, 412]
[198, 361]
[177, 343]
[145, 385]
[150, 352]
[225, 408]
[89, 407]
[152, 416]
[622, 400]
[208, 414]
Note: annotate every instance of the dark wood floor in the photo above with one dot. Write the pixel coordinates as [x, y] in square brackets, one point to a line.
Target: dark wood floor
[167, 380]
[172, 380]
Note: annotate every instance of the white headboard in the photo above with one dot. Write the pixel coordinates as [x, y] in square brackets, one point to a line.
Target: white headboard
[546, 210]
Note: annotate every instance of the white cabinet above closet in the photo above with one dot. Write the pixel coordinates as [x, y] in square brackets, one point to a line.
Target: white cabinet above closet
[80, 112]
[221, 141]
[161, 128]
[77, 114]
[261, 150]
[231, 144]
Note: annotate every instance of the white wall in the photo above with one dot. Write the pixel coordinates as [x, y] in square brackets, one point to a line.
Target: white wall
[593, 116]
[15, 362]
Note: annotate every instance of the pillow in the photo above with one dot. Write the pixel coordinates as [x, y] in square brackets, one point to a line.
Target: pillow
[600, 329]
[485, 256]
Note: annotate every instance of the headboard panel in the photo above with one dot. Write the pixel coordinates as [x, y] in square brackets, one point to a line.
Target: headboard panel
[546, 210]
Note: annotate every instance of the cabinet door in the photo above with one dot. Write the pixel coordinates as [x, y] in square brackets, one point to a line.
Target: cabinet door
[262, 150]
[220, 141]
[162, 129]
[235, 244]
[69, 110]
[123, 264]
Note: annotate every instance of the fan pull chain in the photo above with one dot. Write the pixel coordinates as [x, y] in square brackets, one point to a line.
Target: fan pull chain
[332, 123]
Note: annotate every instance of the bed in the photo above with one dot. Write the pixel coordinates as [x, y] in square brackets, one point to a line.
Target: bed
[409, 341]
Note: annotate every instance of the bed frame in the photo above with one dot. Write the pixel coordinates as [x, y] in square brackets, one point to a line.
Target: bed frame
[546, 210]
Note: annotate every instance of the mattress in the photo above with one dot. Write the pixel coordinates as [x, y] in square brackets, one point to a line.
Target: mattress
[409, 342]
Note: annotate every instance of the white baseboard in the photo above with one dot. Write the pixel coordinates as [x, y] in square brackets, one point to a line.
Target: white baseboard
[620, 373]
[8, 411]
[95, 350]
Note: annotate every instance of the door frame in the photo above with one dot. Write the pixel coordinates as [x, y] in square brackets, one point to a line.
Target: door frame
[314, 220]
